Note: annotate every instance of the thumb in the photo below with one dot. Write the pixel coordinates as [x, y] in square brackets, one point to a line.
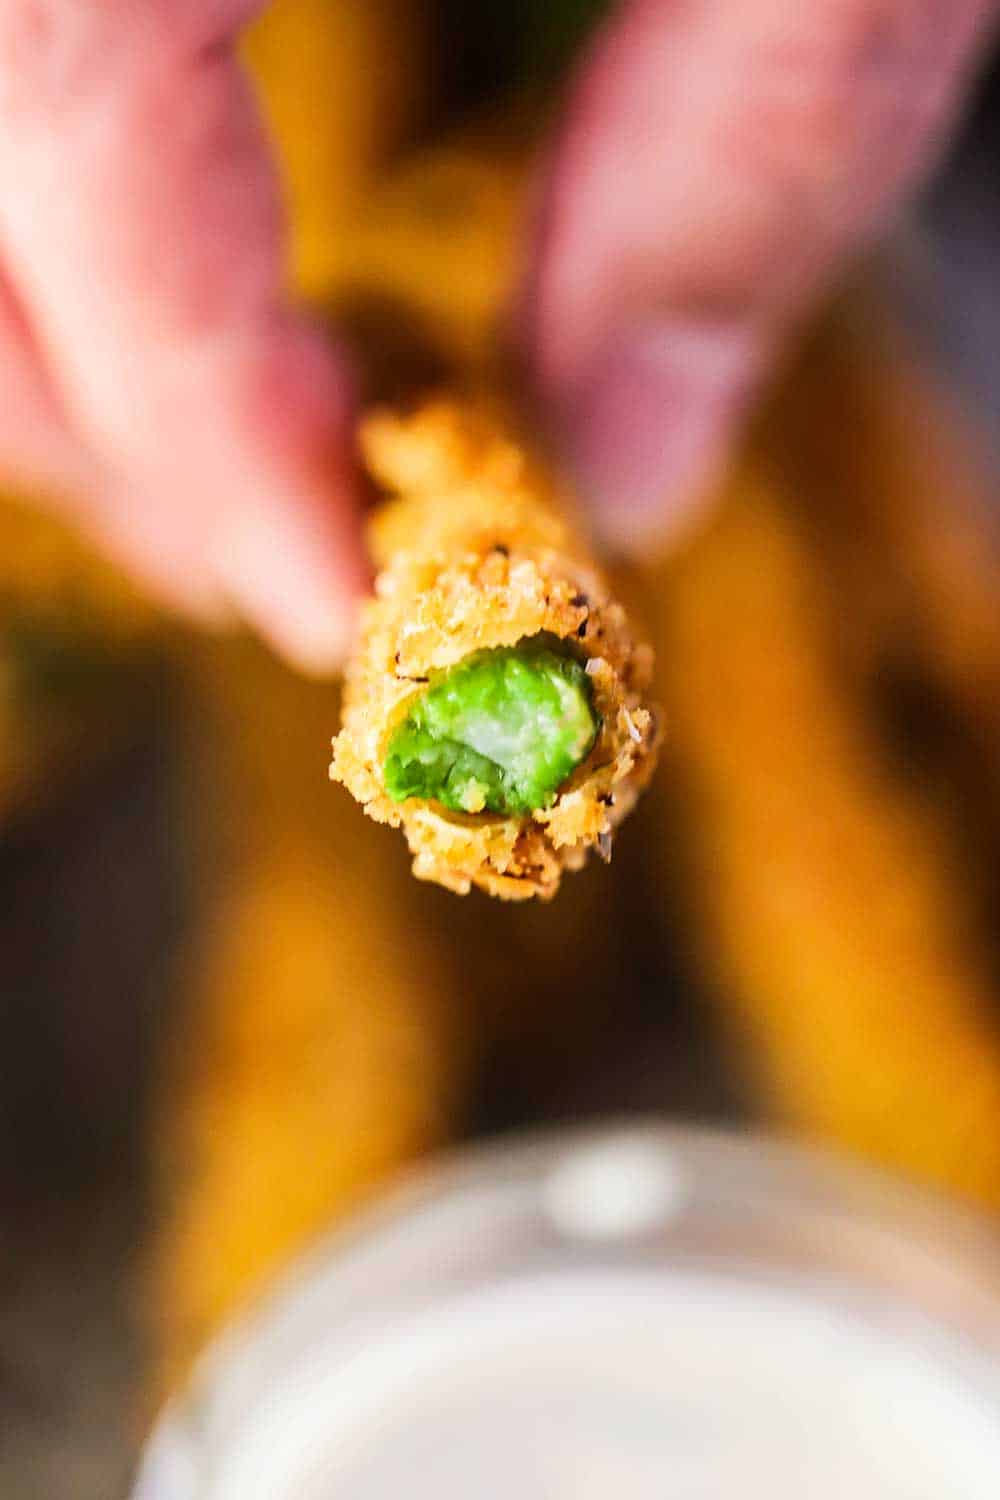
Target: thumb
[716, 165]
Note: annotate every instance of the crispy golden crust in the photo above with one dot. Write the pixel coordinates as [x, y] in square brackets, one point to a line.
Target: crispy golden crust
[472, 552]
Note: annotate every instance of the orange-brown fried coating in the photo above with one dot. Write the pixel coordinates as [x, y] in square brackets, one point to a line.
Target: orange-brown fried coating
[473, 552]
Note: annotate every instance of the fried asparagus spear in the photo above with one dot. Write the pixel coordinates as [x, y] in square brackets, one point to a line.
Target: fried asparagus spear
[497, 708]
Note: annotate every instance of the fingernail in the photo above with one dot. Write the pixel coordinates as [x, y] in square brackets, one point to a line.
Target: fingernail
[647, 429]
[285, 579]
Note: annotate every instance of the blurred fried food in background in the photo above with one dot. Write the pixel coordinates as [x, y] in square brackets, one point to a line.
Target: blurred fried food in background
[341, 87]
[833, 888]
[829, 655]
[316, 1052]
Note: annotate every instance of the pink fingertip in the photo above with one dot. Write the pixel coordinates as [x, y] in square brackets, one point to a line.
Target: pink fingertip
[294, 583]
[646, 431]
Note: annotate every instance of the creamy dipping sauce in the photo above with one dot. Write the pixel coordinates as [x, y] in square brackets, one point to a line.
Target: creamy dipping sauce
[638, 1385]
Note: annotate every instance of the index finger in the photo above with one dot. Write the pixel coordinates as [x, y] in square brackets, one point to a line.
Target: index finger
[716, 165]
[141, 222]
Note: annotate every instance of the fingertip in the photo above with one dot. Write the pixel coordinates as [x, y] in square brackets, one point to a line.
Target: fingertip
[645, 430]
[288, 547]
[315, 646]
[135, 530]
[297, 576]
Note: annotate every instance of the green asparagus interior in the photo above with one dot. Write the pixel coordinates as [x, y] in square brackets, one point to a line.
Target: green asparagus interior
[499, 732]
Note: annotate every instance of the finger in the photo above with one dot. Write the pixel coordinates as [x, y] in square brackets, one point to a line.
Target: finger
[286, 564]
[716, 165]
[139, 214]
[38, 453]
[256, 556]
[41, 456]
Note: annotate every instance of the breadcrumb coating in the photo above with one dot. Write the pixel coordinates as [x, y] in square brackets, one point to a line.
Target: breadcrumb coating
[473, 551]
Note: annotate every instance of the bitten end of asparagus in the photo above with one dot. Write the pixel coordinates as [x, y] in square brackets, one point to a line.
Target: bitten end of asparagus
[496, 710]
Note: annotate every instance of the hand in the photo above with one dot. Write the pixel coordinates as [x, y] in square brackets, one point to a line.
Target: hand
[153, 378]
[719, 162]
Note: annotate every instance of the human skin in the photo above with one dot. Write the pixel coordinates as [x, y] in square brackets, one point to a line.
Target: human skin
[718, 163]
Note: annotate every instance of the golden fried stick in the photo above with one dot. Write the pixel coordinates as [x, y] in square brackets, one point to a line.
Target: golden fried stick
[904, 514]
[339, 91]
[493, 644]
[825, 893]
[435, 250]
[315, 1057]
[312, 1069]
